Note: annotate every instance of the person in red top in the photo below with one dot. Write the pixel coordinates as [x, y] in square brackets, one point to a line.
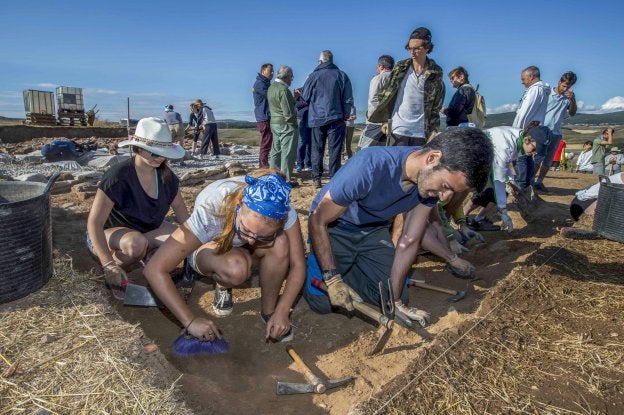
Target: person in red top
[557, 156]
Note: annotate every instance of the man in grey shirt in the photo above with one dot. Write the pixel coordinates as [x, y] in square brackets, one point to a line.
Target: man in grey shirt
[372, 134]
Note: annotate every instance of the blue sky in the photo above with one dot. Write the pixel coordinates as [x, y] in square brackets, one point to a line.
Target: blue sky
[160, 53]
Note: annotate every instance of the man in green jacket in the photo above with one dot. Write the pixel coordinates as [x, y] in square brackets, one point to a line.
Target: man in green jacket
[283, 123]
[414, 94]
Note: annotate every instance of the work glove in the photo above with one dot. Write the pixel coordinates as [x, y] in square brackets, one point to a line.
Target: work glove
[507, 222]
[404, 312]
[460, 268]
[458, 248]
[468, 234]
[338, 293]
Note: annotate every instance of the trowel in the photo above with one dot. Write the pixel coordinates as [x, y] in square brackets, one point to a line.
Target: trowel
[140, 296]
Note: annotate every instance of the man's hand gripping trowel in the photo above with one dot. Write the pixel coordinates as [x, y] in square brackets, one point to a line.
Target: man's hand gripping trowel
[385, 318]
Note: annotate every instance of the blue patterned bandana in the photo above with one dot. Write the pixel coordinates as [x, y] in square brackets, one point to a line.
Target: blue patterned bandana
[268, 195]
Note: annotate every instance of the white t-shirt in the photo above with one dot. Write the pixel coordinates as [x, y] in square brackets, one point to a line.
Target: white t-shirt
[205, 222]
[592, 192]
[584, 161]
[505, 143]
[408, 116]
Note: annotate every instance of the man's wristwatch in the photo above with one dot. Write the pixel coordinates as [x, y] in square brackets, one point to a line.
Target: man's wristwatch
[329, 273]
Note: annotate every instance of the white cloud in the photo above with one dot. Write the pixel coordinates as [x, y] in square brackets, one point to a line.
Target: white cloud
[582, 106]
[146, 94]
[10, 94]
[47, 85]
[99, 91]
[503, 108]
[613, 104]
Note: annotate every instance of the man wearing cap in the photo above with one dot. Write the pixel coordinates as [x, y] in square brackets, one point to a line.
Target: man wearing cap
[330, 97]
[207, 121]
[127, 218]
[174, 121]
[350, 217]
[262, 112]
[283, 124]
[414, 94]
[613, 162]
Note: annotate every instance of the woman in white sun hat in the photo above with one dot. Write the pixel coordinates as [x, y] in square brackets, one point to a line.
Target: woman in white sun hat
[126, 220]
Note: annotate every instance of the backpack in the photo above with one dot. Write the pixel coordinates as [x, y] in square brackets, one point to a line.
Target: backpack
[479, 112]
[62, 149]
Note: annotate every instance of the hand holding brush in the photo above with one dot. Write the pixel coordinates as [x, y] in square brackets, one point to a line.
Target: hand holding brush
[200, 337]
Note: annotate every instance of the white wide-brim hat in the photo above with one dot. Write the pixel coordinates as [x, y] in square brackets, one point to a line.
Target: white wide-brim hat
[153, 134]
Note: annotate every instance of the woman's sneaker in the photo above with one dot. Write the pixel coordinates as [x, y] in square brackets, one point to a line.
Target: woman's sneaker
[289, 336]
[223, 304]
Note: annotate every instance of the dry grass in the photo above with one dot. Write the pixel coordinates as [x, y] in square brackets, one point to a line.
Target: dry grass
[552, 344]
[74, 355]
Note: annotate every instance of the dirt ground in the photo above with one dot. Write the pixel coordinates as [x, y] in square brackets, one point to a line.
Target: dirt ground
[412, 374]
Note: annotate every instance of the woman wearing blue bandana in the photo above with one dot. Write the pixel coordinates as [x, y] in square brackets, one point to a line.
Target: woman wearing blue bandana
[237, 222]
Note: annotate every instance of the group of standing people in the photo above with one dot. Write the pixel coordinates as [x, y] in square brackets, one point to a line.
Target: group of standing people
[318, 112]
[201, 124]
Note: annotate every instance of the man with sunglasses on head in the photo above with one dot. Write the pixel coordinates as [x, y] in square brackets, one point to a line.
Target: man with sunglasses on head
[411, 100]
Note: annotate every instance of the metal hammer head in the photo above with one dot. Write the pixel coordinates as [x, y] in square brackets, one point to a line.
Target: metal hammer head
[288, 388]
[455, 298]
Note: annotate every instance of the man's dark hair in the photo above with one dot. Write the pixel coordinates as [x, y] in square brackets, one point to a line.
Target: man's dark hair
[532, 71]
[386, 61]
[588, 142]
[424, 34]
[460, 70]
[265, 65]
[569, 77]
[466, 150]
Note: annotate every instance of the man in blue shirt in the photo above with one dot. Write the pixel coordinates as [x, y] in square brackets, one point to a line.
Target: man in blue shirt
[561, 102]
[350, 217]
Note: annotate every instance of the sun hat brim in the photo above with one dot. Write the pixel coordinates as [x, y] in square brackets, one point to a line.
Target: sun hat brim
[171, 151]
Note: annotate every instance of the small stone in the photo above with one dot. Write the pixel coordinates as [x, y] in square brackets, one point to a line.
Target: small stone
[534, 388]
[48, 338]
[614, 334]
[150, 348]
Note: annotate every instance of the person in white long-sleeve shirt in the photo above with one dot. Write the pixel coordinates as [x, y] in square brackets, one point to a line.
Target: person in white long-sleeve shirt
[583, 163]
[509, 143]
[533, 105]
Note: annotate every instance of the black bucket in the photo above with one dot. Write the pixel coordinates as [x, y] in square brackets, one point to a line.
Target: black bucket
[25, 238]
[609, 216]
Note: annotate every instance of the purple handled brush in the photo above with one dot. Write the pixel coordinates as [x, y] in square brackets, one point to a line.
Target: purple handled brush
[189, 346]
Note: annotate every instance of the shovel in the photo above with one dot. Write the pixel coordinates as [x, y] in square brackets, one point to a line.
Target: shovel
[316, 385]
[140, 296]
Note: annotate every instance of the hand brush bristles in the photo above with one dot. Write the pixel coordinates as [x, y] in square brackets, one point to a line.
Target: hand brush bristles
[189, 346]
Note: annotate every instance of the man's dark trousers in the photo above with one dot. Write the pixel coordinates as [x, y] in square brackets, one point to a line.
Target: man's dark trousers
[525, 171]
[305, 142]
[334, 133]
[266, 140]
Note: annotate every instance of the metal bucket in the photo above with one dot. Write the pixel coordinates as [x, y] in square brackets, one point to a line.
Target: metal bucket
[25, 238]
[609, 216]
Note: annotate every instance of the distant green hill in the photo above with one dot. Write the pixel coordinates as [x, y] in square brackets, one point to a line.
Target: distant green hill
[612, 118]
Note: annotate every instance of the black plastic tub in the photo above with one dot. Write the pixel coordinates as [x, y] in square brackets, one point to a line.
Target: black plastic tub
[609, 216]
[25, 238]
